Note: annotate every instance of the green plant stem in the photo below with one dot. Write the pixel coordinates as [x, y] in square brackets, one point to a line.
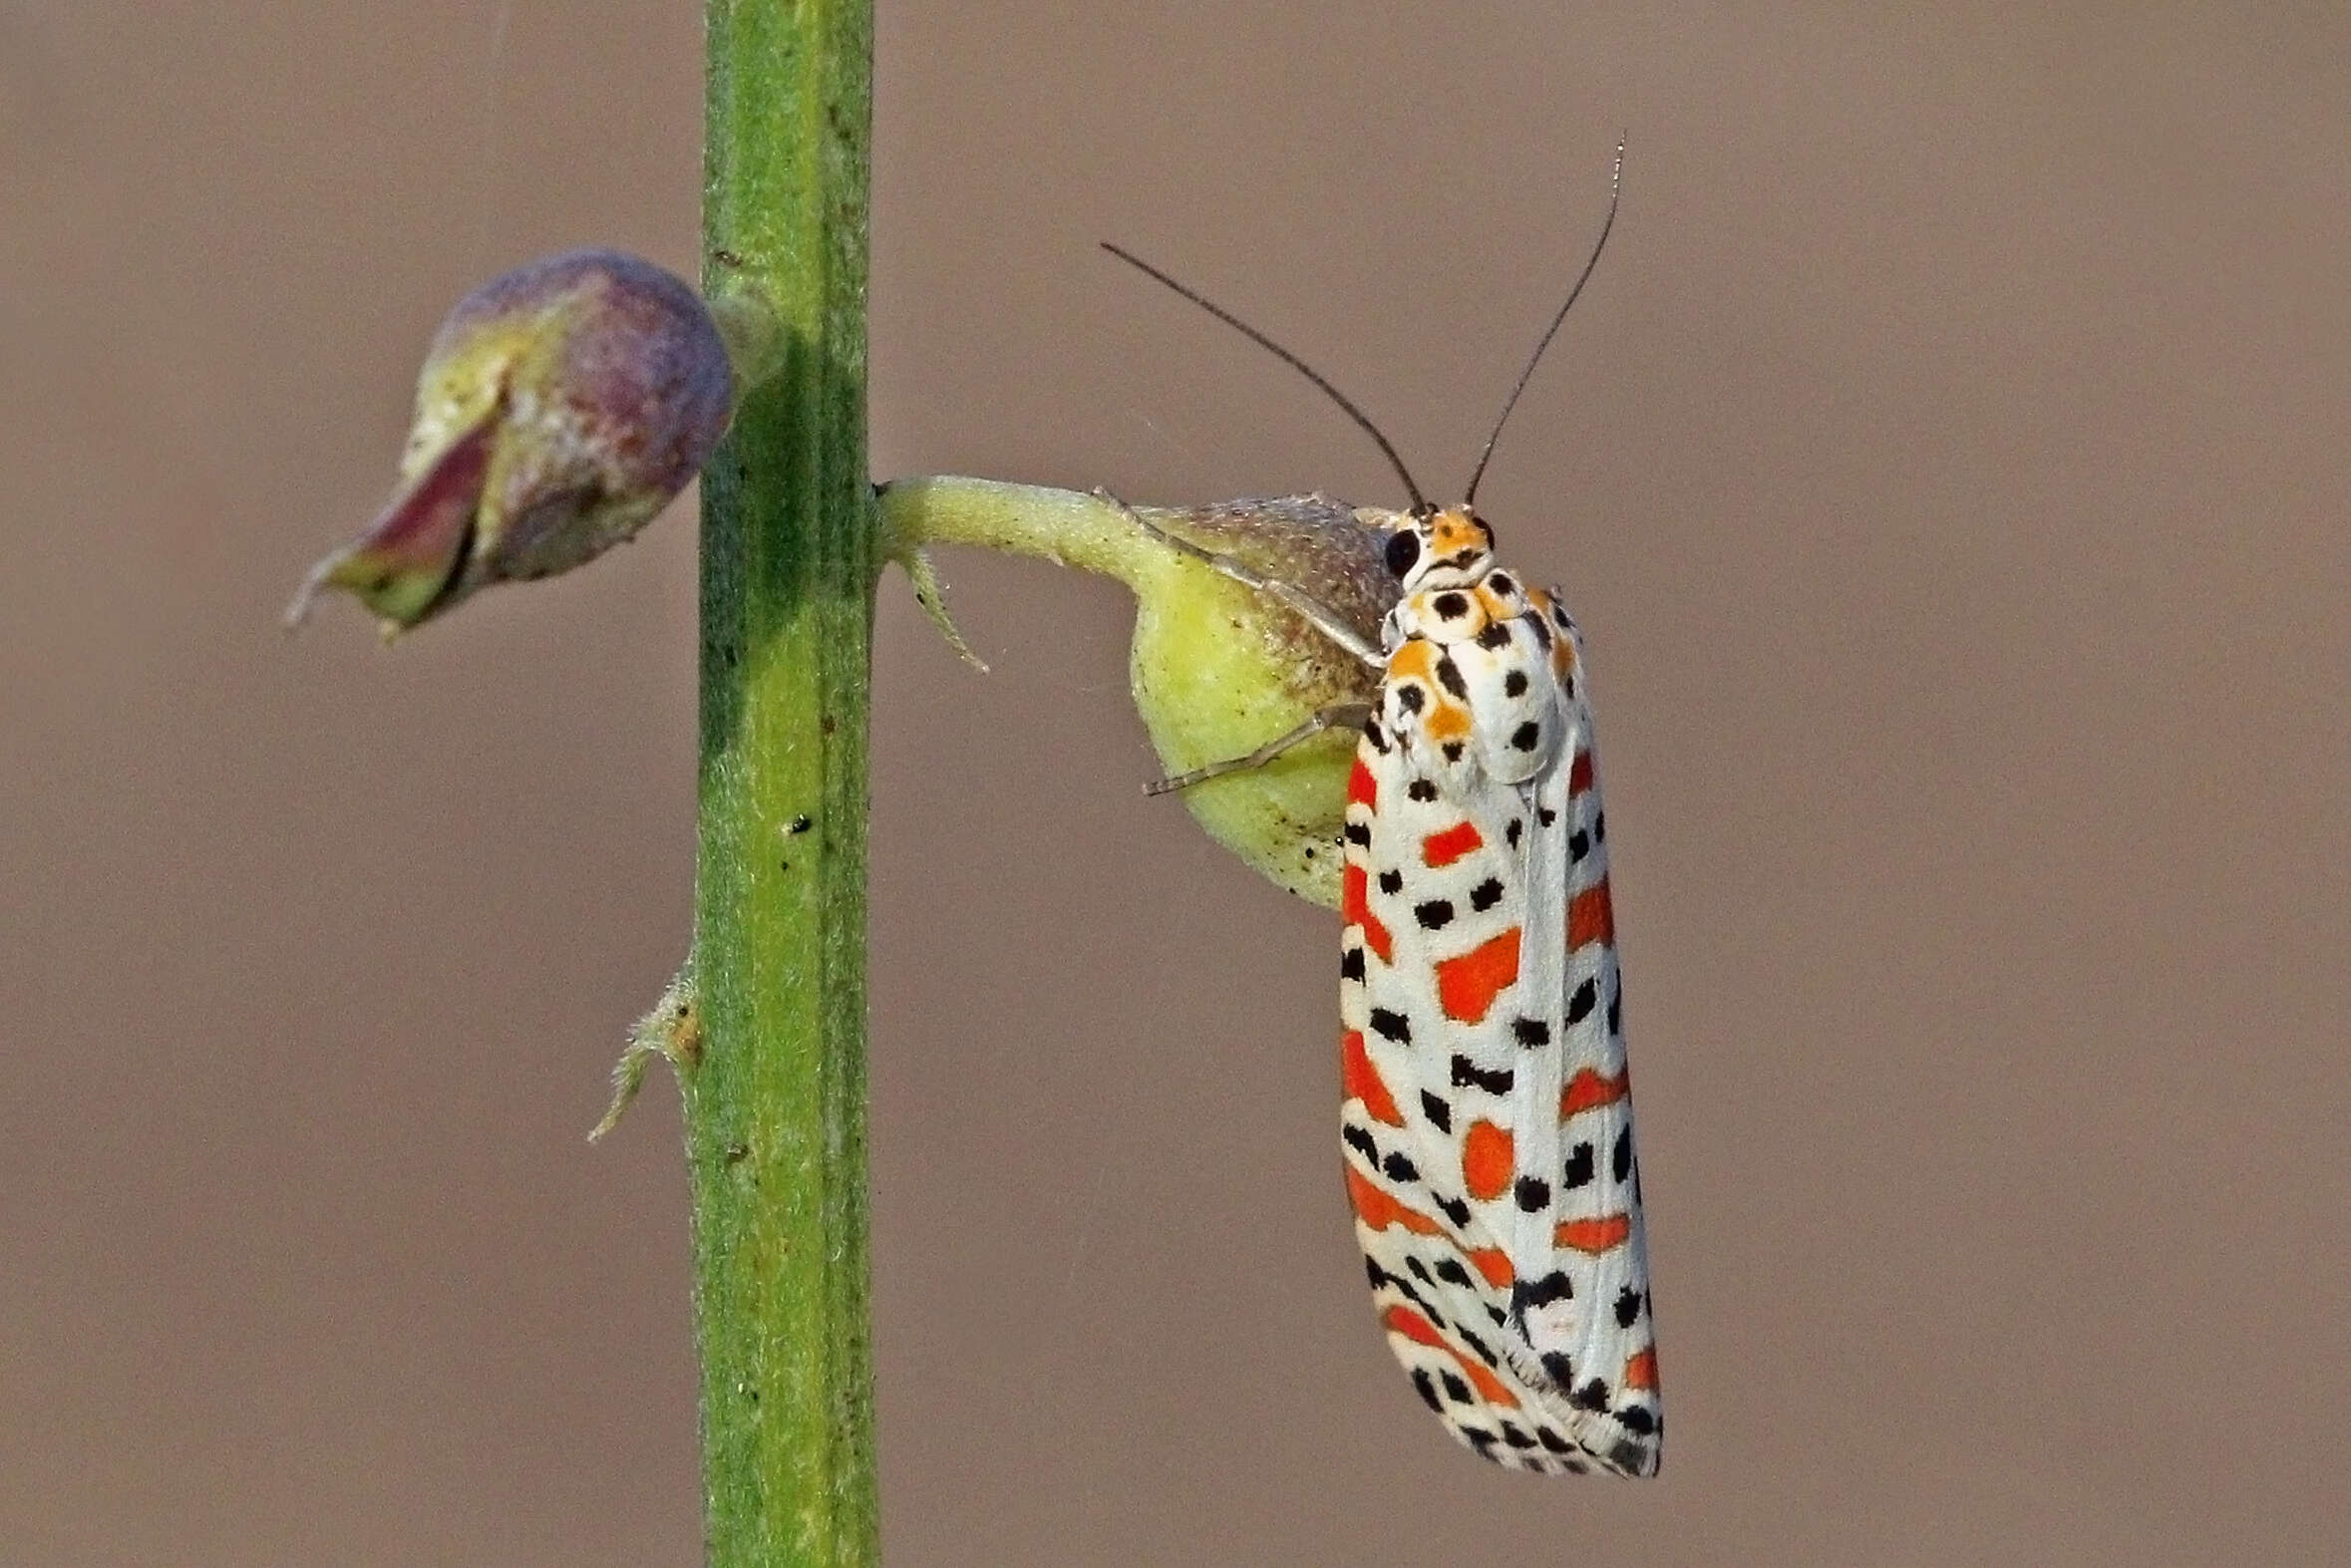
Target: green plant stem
[775, 1101]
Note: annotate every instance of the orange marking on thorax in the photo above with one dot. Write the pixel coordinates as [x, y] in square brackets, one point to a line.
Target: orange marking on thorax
[1440, 849]
[1495, 1265]
[1467, 985]
[1359, 1078]
[1415, 658]
[1496, 607]
[1640, 1369]
[1579, 772]
[1410, 1325]
[1595, 1235]
[1355, 910]
[1362, 788]
[1588, 1091]
[1447, 721]
[1590, 917]
[1377, 1209]
[1489, 1160]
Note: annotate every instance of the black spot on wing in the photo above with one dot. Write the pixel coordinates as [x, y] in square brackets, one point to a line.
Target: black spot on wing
[1451, 1271]
[1421, 790]
[1637, 1418]
[1391, 881]
[1531, 1032]
[1439, 1112]
[1628, 1307]
[1467, 1074]
[1620, 1158]
[1485, 894]
[1351, 965]
[1593, 1396]
[1526, 737]
[1449, 676]
[1399, 1169]
[1580, 1167]
[1434, 916]
[1498, 635]
[1527, 1297]
[1581, 1005]
[1514, 684]
[1391, 1026]
[1532, 1193]
[1456, 1210]
[1360, 1142]
[1455, 1389]
[1410, 696]
[1426, 1390]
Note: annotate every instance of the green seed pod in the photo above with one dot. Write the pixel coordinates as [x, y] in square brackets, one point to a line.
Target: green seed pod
[1218, 669]
[560, 408]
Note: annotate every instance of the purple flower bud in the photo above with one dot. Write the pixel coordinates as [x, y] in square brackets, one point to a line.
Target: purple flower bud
[560, 408]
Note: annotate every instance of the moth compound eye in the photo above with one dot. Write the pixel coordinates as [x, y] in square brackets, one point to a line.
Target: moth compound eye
[1404, 549]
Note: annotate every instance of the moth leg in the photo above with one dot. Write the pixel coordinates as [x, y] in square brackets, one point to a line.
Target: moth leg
[1338, 715]
[1320, 617]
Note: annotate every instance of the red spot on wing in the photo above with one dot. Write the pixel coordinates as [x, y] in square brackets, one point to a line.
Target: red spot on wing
[1588, 1091]
[1640, 1369]
[1590, 916]
[1412, 1325]
[1360, 1080]
[1442, 849]
[1362, 788]
[1378, 1211]
[1495, 1265]
[1489, 1160]
[1579, 773]
[1595, 1235]
[1355, 910]
[1467, 985]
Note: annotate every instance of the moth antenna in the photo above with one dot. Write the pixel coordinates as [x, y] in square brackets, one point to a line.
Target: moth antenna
[1615, 189]
[1420, 503]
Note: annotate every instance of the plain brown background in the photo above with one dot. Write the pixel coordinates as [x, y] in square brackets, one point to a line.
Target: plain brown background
[1948, 465]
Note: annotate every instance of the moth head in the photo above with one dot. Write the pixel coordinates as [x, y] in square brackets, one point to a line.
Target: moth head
[1440, 547]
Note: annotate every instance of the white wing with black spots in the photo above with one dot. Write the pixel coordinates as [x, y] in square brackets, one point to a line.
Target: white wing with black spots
[1486, 1123]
